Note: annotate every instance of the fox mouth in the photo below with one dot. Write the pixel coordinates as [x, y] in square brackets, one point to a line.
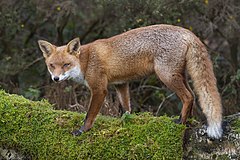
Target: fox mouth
[60, 80]
[57, 81]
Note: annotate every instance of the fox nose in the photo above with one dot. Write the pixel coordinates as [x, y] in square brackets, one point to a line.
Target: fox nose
[56, 78]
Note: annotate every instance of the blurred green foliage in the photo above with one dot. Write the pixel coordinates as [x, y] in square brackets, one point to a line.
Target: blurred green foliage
[24, 22]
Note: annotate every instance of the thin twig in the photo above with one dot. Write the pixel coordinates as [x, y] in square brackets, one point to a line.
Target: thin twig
[153, 87]
[32, 63]
[161, 104]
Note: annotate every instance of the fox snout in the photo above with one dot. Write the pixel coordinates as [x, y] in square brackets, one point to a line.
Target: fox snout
[56, 78]
[60, 77]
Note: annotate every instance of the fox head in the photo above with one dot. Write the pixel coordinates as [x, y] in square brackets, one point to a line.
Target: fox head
[62, 62]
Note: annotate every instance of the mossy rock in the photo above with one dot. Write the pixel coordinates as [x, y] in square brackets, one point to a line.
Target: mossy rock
[198, 146]
[37, 130]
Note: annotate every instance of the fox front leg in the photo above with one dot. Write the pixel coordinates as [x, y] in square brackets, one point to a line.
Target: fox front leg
[98, 94]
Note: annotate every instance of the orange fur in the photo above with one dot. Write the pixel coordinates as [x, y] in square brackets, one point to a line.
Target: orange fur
[166, 50]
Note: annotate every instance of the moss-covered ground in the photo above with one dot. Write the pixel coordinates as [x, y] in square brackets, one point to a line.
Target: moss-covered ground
[39, 131]
[236, 126]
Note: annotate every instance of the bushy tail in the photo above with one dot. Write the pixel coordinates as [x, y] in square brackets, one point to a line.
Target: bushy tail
[200, 69]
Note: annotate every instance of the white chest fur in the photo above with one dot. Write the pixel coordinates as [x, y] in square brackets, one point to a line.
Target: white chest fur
[76, 74]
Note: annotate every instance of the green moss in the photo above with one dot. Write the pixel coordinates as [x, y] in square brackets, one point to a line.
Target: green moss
[236, 125]
[36, 129]
[222, 157]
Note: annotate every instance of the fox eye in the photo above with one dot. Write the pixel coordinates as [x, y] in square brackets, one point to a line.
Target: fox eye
[52, 66]
[66, 65]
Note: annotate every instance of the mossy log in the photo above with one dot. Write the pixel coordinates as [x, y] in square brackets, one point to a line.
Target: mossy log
[34, 130]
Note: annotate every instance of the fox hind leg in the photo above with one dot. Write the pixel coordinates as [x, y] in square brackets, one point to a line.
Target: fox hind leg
[192, 111]
[177, 83]
[124, 96]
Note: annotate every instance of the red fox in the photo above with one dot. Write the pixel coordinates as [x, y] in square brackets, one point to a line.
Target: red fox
[166, 50]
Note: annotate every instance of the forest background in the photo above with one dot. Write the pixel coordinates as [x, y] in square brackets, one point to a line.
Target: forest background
[23, 71]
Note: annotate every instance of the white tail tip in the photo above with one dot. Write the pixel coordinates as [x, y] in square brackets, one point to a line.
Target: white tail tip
[214, 130]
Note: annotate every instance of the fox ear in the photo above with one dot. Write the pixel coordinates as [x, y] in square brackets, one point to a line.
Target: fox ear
[46, 48]
[73, 47]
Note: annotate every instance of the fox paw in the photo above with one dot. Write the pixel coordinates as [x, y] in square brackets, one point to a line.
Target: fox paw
[177, 121]
[77, 132]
